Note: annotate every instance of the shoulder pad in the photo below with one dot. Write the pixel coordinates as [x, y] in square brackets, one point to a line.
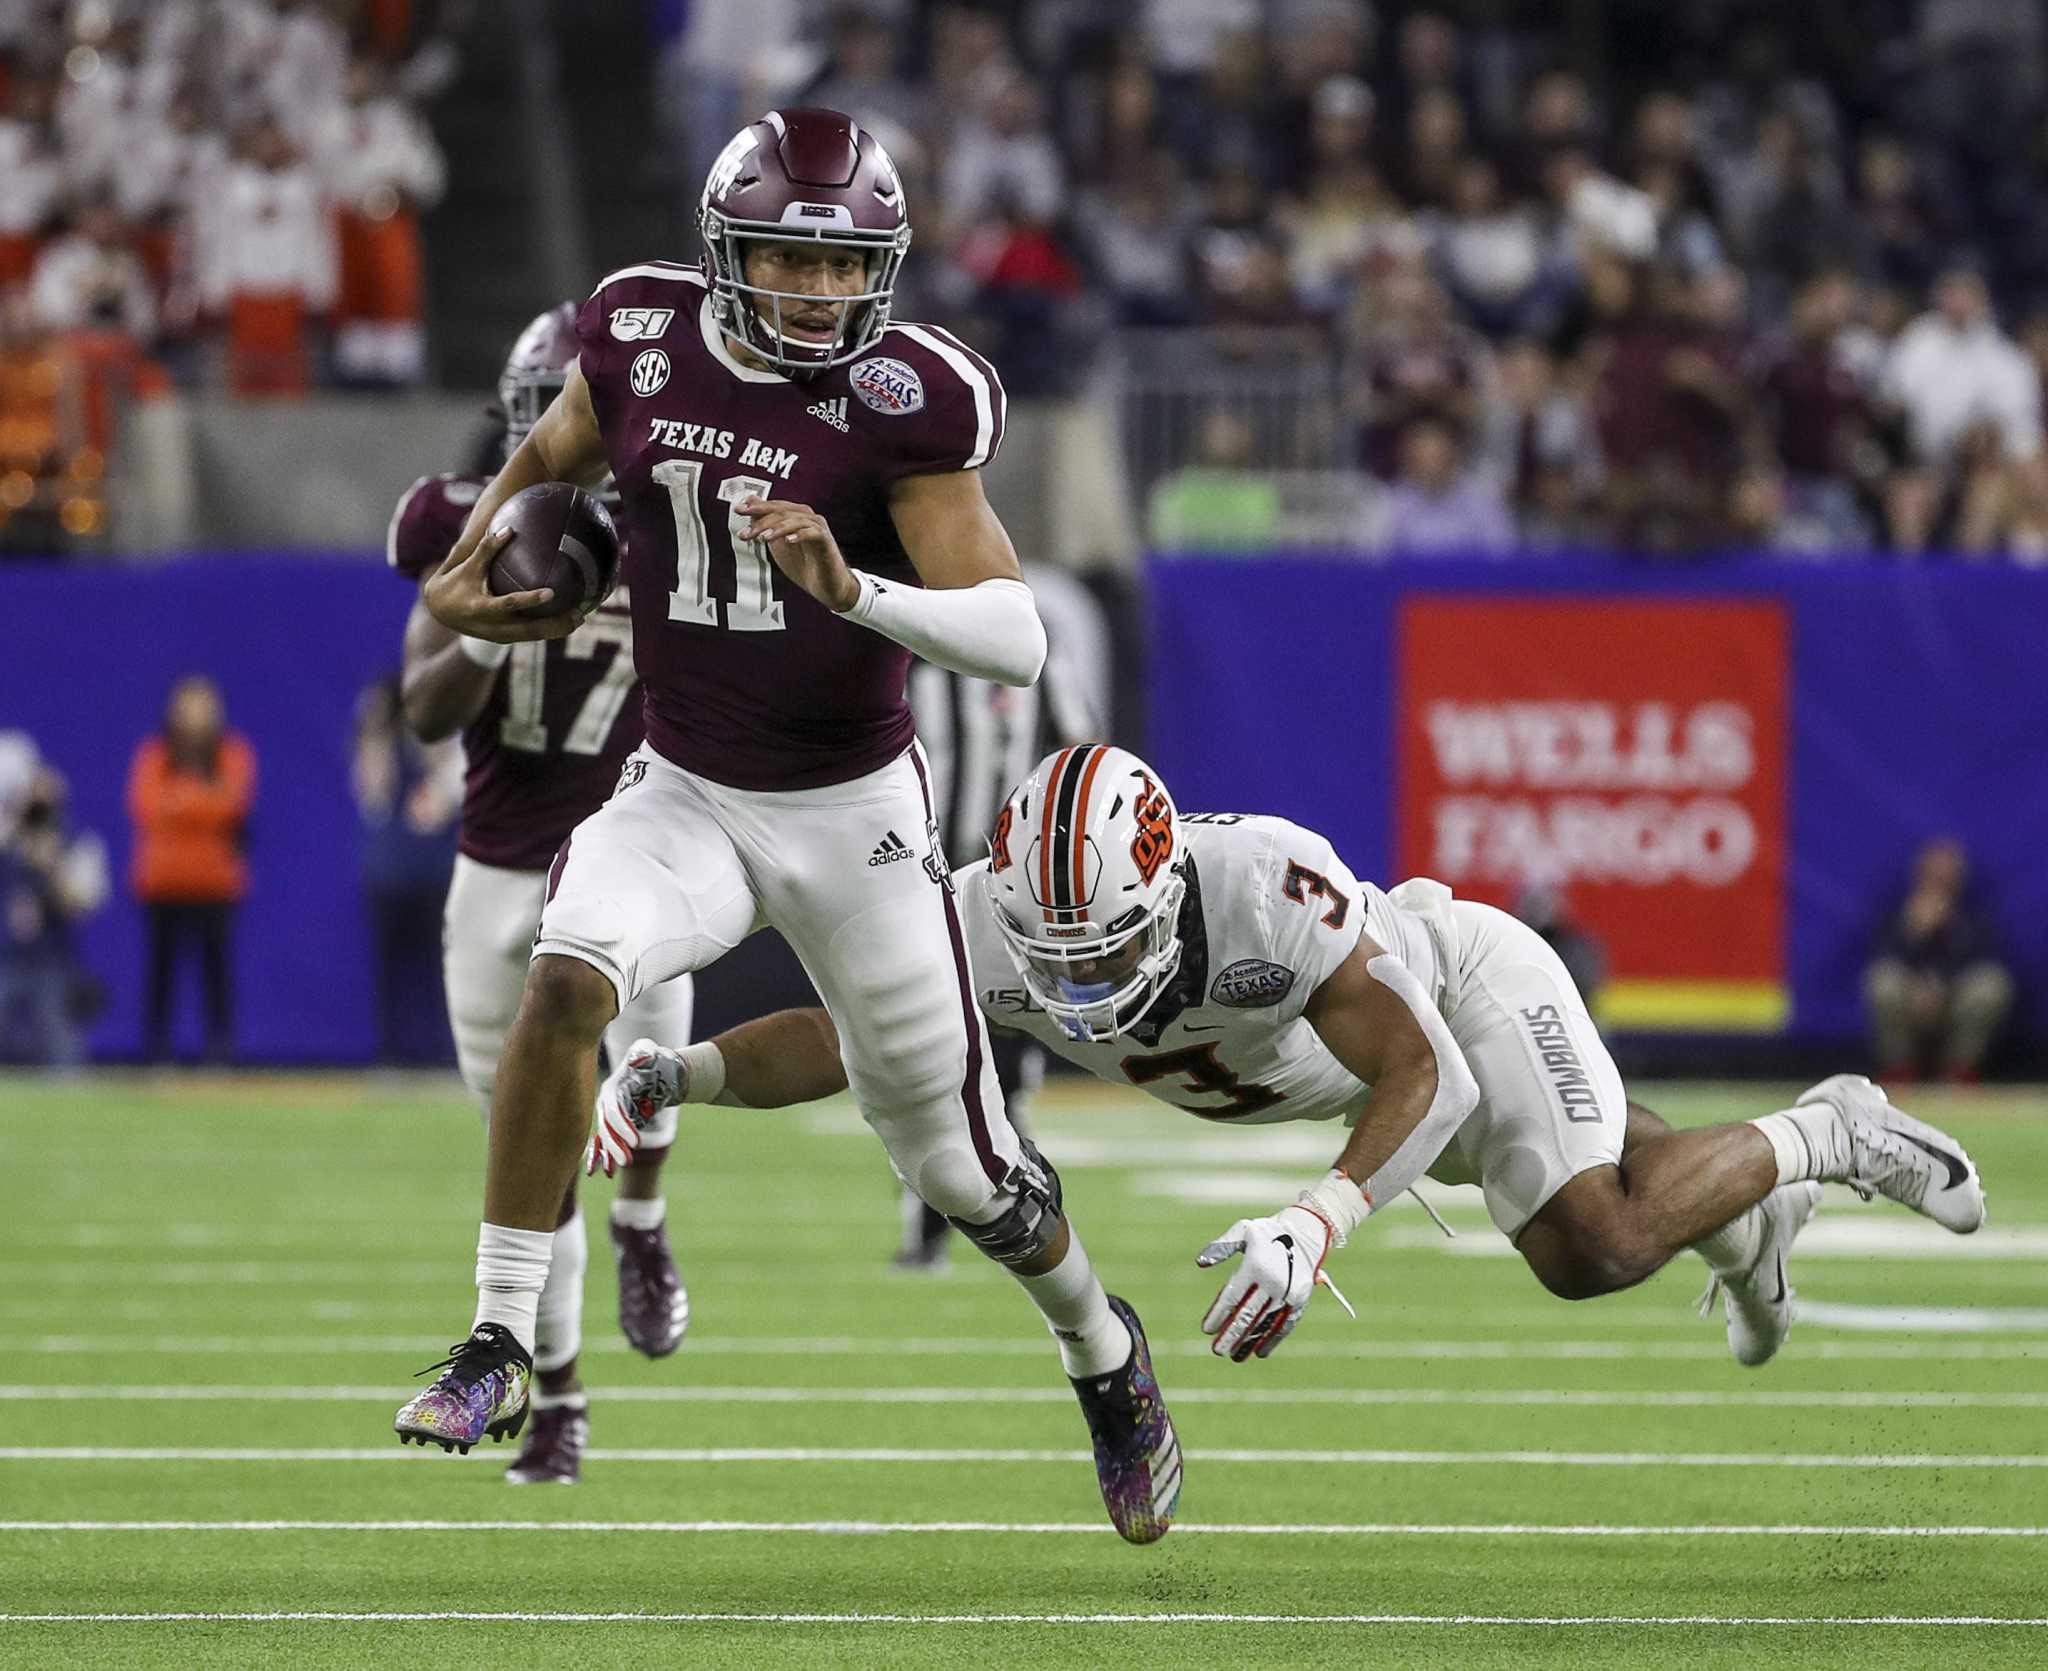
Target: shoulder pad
[428, 520]
[945, 399]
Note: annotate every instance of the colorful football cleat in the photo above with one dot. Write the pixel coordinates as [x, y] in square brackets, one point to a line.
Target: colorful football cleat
[654, 1306]
[482, 1393]
[1137, 1452]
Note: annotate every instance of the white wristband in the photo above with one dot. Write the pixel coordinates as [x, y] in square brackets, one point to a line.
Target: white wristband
[703, 1071]
[1339, 1200]
[483, 652]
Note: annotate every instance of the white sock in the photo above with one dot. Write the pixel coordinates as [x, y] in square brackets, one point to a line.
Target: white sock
[1733, 1249]
[558, 1321]
[1808, 1143]
[578, 1400]
[1092, 1338]
[640, 1215]
[511, 1270]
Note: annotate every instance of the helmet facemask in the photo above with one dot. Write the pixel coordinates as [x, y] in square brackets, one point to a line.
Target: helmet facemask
[861, 318]
[1105, 1004]
[524, 393]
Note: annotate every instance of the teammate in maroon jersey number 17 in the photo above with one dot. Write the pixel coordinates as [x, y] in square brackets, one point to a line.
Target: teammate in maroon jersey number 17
[798, 480]
[546, 729]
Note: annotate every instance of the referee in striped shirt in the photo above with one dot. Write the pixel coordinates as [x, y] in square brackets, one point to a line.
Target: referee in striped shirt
[980, 740]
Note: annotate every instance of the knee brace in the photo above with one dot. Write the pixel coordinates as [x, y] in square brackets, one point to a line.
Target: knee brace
[1030, 1219]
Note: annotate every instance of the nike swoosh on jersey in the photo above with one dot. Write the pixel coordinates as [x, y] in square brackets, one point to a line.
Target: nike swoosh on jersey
[1958, 1172]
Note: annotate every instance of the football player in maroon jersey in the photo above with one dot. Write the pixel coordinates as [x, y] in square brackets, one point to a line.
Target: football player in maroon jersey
[798, 482]
[545, 728]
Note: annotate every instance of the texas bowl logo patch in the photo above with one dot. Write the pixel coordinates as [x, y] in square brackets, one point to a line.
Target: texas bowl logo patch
[650, 372]
[1251, 985]
[889, 387]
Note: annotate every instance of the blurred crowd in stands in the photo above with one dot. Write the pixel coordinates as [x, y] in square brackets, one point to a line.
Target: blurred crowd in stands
[1694, 275]
[219, 193]
[1705, 273]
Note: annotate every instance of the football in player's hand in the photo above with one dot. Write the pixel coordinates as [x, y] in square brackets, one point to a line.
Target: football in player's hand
[562, 538]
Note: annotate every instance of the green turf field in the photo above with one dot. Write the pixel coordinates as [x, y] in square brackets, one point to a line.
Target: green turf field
[847, 1467]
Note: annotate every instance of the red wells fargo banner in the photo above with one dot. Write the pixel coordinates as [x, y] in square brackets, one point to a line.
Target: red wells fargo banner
[1631, 751]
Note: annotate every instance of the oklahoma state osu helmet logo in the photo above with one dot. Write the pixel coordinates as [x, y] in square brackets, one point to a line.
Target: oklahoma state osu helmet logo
[1152, 846]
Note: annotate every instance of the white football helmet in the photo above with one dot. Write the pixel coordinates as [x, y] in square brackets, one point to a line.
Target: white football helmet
[1086, 881]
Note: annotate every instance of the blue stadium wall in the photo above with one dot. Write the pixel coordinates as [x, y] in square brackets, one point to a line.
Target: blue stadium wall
[1917, 705]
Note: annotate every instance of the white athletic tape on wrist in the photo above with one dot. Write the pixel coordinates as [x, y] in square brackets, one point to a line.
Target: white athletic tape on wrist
[1340, 1203]
[703, 1071]
[483, 652]
[989, 630]
[1457, 1092]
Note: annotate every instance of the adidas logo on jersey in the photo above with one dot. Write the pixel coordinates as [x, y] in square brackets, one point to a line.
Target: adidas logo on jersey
[888, 850]
[832, 411]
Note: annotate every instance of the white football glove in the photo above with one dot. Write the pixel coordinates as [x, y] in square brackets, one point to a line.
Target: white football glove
[1283, 1265]
[651, 1078]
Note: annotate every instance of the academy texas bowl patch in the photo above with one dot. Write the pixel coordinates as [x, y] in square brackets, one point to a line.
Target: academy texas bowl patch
[1251, 985]
[889, 387]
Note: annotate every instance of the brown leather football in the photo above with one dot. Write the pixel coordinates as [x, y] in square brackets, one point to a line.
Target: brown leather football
[563, 538]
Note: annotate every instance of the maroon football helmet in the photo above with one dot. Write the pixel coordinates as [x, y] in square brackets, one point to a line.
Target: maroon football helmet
[536, 369]
[534, 373]
[814, 175]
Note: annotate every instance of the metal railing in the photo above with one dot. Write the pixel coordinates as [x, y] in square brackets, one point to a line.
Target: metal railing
[1246, 430]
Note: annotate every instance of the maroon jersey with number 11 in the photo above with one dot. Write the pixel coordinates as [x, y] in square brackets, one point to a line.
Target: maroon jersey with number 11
[563, 716]
[750, 681]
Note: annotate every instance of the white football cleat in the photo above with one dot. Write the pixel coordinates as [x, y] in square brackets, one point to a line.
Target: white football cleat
[1759, 1300]
[1884, 1152]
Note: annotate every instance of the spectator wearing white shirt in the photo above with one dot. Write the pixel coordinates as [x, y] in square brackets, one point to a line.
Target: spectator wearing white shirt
[31, 175]
[1600, 210]
[91, 279]
[1953, 368]
[1005, 160]
[1971, 402]
[171, 172]
[382, 167]
[267, 264]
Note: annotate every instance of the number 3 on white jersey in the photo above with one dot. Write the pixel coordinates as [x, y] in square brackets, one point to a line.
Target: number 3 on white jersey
[754, 608]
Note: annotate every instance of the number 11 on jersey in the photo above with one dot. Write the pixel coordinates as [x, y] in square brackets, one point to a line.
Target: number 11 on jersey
[754, 608]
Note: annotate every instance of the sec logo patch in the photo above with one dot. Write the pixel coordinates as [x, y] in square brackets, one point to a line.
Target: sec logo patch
[889, 387]
[650, 372]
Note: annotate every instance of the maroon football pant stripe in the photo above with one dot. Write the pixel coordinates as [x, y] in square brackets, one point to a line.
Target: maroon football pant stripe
[992, 1164]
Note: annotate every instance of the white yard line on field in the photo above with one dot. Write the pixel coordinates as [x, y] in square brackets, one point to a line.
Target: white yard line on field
[1084, 1528]
[1510, 1620]
[914, 1457]
[1032, 1346]
[1564, 1397]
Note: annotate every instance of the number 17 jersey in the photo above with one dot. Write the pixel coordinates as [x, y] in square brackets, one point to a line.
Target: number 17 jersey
[562, 715]
[749, 680]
